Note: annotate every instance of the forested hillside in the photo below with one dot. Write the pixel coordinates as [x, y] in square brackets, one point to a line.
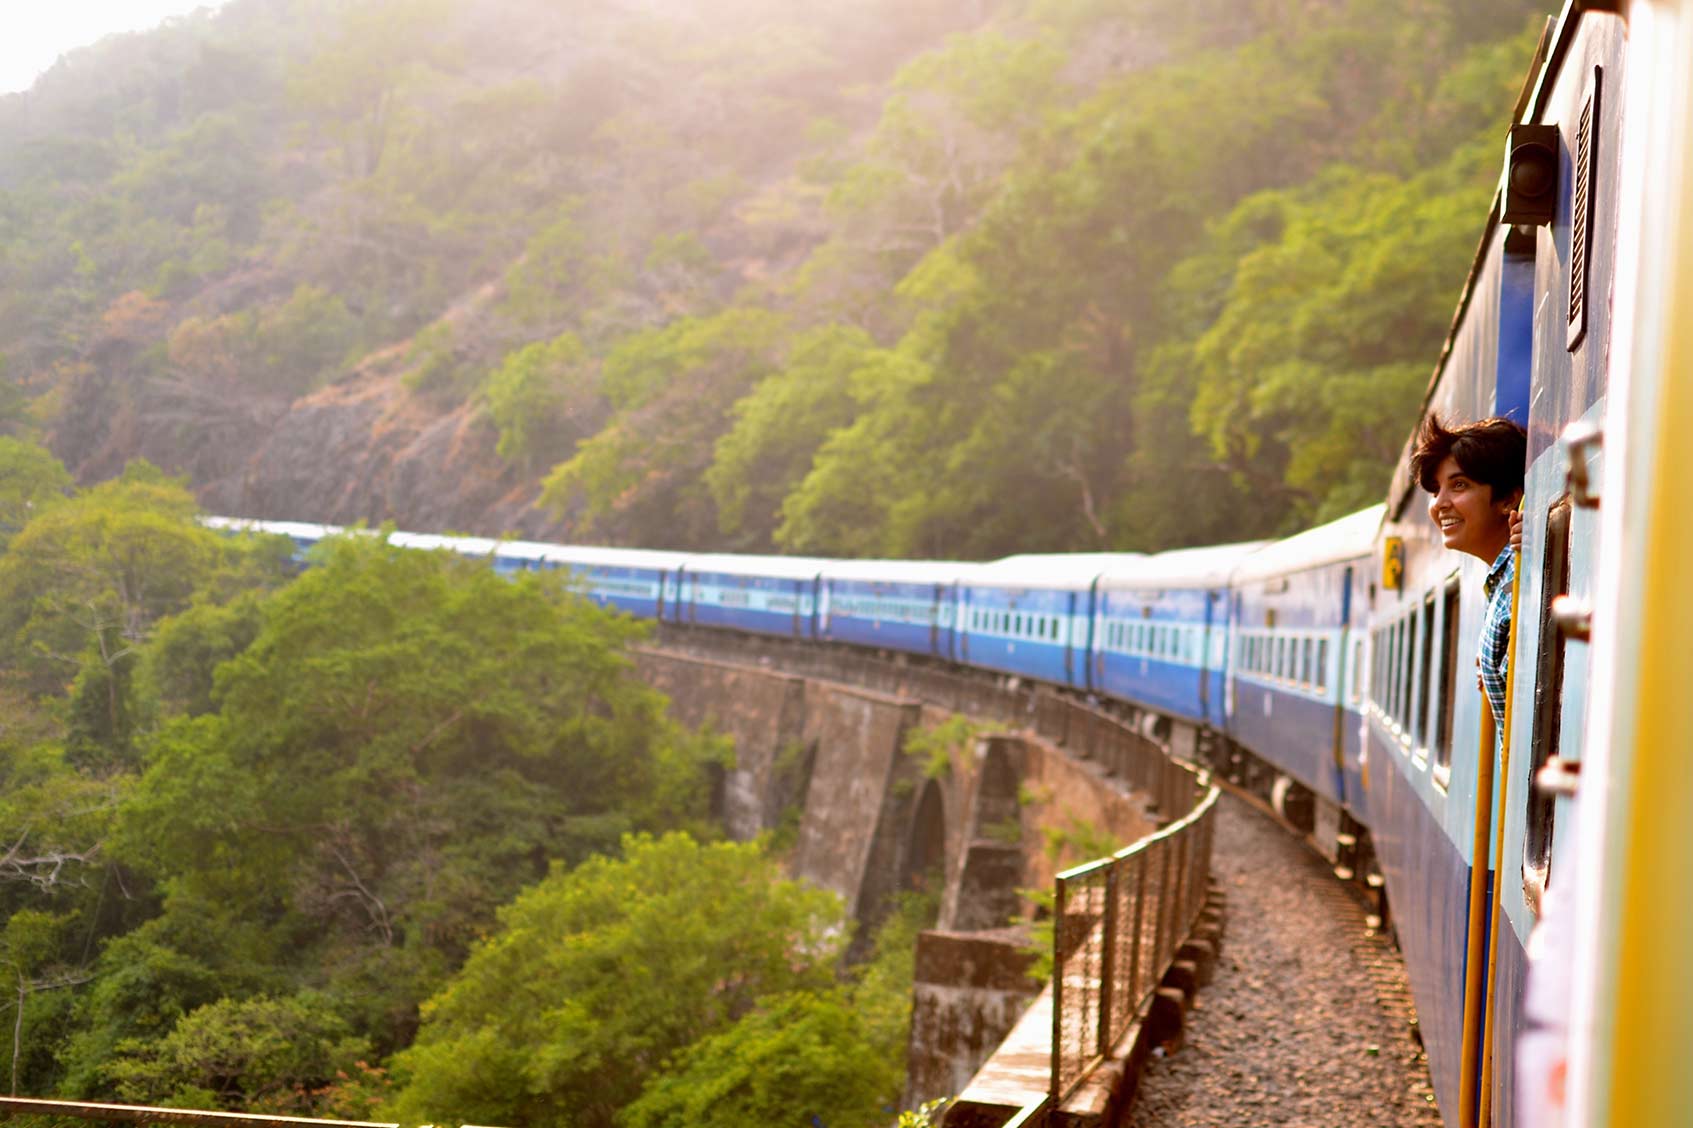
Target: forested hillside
[957, 278]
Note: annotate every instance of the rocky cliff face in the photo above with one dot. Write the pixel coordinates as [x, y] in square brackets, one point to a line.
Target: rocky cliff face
[364, 448]
[367, 450]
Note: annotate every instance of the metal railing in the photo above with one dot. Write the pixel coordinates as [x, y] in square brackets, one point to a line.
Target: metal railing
[1117, 925]
[59, 1112]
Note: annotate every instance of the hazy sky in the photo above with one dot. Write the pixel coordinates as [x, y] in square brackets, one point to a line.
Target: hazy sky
[33, 35]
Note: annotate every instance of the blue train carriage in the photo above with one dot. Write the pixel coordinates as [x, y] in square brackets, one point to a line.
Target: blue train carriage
[1579, 102]
[907, 605]
[637, 581]
[1296, 666]
[1532, 341]
[1161, 635]
[1423, 714]
[769, 595]
[1032, 616]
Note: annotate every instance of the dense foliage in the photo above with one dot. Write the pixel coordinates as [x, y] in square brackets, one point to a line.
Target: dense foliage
[959, 278]
[395, 834]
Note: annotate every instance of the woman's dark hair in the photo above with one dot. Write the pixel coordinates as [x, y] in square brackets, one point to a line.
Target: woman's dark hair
[1492, 452]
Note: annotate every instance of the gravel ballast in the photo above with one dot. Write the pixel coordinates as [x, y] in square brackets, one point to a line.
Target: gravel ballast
[1307, 1021]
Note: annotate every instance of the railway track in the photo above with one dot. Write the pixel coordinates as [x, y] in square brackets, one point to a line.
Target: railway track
[1308, 1020]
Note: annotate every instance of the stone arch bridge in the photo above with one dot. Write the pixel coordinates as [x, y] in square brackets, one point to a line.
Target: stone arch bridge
[868, 762]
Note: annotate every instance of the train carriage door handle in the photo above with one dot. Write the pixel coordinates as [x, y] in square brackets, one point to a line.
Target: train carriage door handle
[1578, 439]
[1558, 777]
[1573, 618]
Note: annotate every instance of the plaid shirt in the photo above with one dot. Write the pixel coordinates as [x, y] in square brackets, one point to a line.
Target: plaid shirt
[1496, 632]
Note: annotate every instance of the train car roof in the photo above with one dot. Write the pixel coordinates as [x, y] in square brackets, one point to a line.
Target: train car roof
[1209, 566]
[1053, 571]
[597, 556]
[771, 567]
[301, 529]
[899, 571]
[466, 546]
[1349, 538]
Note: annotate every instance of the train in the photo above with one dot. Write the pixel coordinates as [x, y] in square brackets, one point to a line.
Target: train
[1333, 670]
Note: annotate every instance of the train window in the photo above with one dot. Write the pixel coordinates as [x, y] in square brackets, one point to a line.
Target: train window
[1449, 614]
[1355, 682]
[1375, 668]
[1322, 663]
[1425, 631]
[1396, 690]
[1382, 661]
[1307, 674]
[1408, 667]
[1548, 700]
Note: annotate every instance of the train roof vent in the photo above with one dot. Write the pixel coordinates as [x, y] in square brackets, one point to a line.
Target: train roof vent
[1581, 212]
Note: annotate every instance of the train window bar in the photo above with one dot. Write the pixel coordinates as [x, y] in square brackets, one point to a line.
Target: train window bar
[1548, 701]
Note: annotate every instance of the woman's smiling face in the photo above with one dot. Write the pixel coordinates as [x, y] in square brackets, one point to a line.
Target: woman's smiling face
[1469, 519]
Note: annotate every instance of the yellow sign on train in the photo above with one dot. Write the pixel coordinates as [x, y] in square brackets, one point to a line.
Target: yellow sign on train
[1393, 563]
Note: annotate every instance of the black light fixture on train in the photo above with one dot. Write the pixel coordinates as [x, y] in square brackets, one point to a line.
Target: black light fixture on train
[1529, 188]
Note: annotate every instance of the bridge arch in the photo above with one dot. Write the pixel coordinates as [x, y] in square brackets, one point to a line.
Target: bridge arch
[925, 842]
[986, 891]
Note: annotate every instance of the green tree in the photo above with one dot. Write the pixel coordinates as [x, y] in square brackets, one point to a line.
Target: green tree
[795, 1059]
[405, 742]
[641, 478]
[261, 1054]
[540, 399]
[597, 976]
[30, 965]
[30, 480]
[779, 427]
